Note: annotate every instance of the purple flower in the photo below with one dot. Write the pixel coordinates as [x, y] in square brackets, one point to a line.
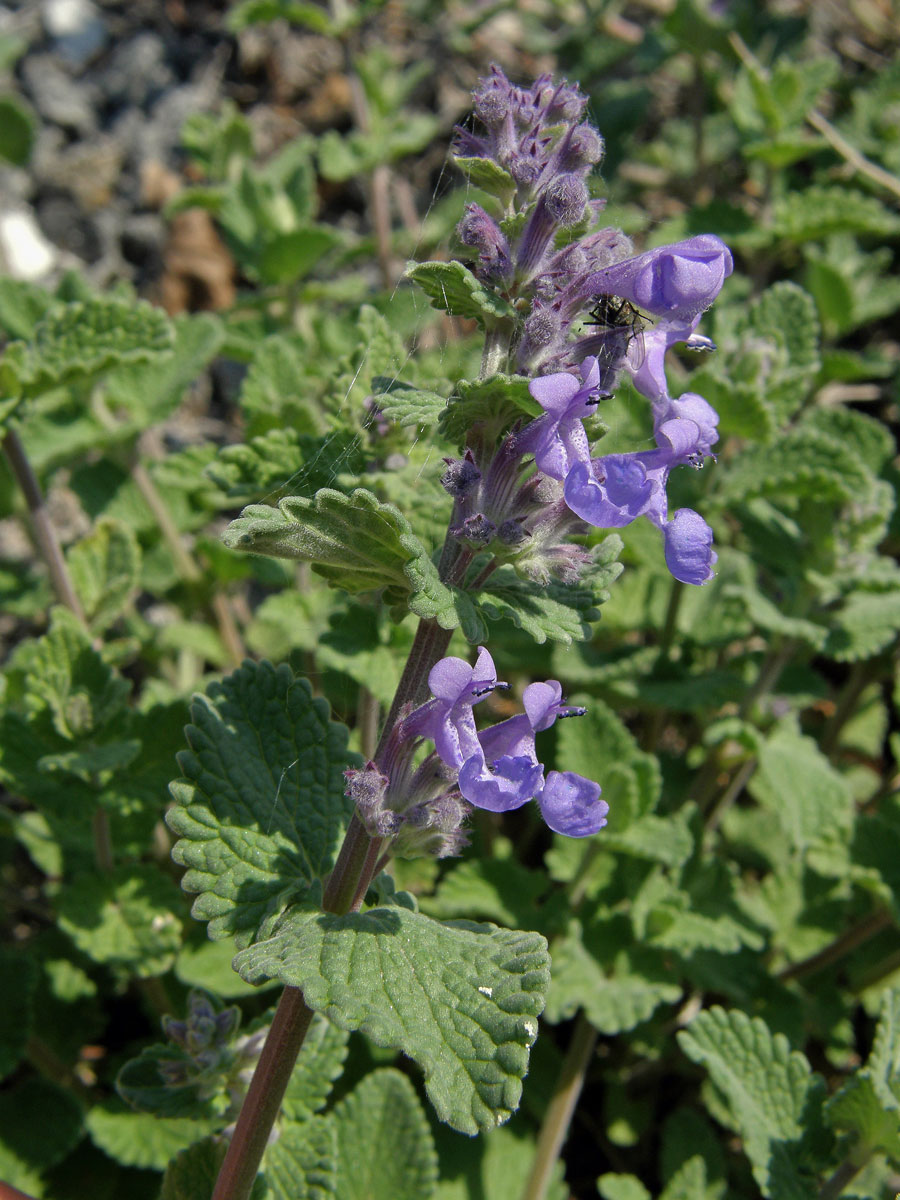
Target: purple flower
[506, 773]
[688, 547]
[677, 281]
[557, 439]
[571, 804]
[448, 719]
[612, 491]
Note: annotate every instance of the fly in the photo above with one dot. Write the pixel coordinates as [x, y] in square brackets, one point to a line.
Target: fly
[619, 324]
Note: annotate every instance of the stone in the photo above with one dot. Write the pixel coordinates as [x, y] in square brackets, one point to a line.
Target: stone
[24, 251]
[76, 27]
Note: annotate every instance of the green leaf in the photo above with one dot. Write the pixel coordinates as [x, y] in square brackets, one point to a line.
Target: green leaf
[151, 392]
[621, 1187]
[262, 808]
[865, 624]
[560, 612]
[818, 212]
[17, 130]
[192, 1174]
[301, 1163]
[493, 889]
[617, 992]
[105, 568]
[208, 965]
[460, 999]
[282, 459]
[772, 1094]
[385, 1148]
[257, 12]
[20, 978]
[488, 175]
[355, 542]
[140, 1139]
[127, 917]
[65, 675]
[868, 1105]
[275, 391]
[496, 1167]
[21, 307]
[39, 1124]
[688, 1182]
[453, 288]
[79, 340]
[496, 402]
[320, 1062]
[407, 405]
[796, 783]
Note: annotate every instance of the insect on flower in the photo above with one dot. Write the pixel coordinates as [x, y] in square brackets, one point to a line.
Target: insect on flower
[619, 325]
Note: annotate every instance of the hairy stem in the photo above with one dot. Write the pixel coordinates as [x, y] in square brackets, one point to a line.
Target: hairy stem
[559, 1112]
[344, 892]
[44, 533]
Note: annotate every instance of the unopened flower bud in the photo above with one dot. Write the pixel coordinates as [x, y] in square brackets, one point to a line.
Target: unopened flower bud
[461, 476]
[477, 529]
[566, 197]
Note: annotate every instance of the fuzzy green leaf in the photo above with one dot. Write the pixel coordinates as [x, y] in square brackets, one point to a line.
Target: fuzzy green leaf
[20, 978]
[819, 212]
[865, 624]
[105, 568]
[491, 1168]
[262, 808]
[139, 1139]
[355, 542]
[385, 1148]
[302, 1163]
[128, 917]
[617, 990]
[774, 1097]
[453, 288]
[809, 799]
[460, 999]
[192, 1174]
[408, 405]
[319, 1063]
[282, 460]
[868, 1105]
[79, 340]
[496, 402]
[488, 175]
[561, 612]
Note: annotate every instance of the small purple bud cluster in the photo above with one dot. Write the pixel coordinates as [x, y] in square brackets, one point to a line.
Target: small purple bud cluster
[422, 807]
[204, 1045]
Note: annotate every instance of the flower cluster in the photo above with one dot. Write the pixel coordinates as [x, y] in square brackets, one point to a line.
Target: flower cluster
[532, 254]
[422, 807]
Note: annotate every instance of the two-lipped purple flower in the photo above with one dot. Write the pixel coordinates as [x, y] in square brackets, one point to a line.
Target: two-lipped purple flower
[498, 768]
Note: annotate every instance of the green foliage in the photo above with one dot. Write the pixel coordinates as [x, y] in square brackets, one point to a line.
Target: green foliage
[261, 808]
[771, 1096]
[461, 999]
[385, 1148]
[453, 289]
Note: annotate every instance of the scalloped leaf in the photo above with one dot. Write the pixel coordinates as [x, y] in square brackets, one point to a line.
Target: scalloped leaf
[261, 809]
[868, 1105]
[819, 212]
[79, 340]
[39, 1124]
[137, 1139]
[355, 542]
[408, 405]
[127, 917]
[385, 1150]
[319, 1064]
[301, 1164]
[560, 612]
[497, 402]
[865, 624]
[460, 999]
[773, 1096]
[282, 459]
[453, 289]
[616, 994]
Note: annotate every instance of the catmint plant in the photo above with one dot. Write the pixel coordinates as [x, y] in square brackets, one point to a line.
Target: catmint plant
[291, 865]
